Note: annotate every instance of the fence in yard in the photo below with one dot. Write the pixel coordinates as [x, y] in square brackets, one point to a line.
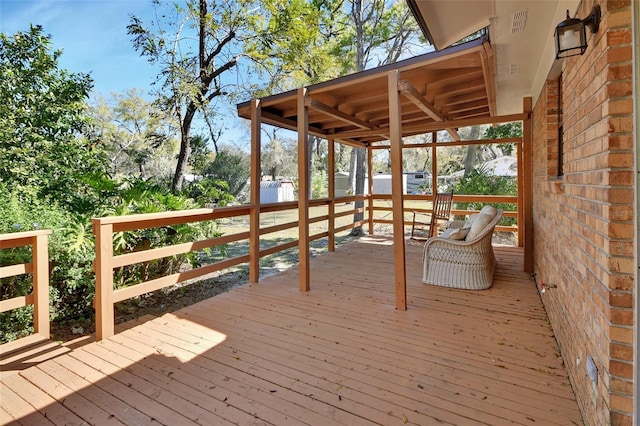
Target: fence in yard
[38, 268]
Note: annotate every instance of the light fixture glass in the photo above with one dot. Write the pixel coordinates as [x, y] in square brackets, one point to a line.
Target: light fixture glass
[571, 34]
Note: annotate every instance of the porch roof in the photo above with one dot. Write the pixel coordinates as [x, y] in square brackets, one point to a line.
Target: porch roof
[440, 91]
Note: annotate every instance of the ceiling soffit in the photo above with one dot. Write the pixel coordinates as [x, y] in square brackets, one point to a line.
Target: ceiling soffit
[520, 32]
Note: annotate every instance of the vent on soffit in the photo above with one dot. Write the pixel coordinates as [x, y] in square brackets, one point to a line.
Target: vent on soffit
[519, 21]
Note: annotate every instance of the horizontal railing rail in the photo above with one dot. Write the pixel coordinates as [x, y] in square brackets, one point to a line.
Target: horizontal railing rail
[39, 270]
[487, 199]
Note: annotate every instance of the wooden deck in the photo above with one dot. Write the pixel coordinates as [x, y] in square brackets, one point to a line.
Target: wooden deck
[339, 354]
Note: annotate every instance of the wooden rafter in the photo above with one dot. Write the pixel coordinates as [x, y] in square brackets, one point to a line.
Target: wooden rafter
[336, 113]
[488, 68]
[287, 123]
[421, 102]
[432, 127]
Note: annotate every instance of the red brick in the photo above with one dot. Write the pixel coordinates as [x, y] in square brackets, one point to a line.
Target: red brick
[618, 37]
[616, 4]
[620, 160]
[619, 88]
[621, 316]
[621, 352]
[621, 300]
[619, 71]
[619, 54]
[621, 141]
[621, 386]
[621, 334]
[620, 419]
[621, 369]
[621, 282]
[621, 403]
[618, 106]
[619, 18]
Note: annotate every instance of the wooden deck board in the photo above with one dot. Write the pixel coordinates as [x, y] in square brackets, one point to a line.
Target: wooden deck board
[339, 354]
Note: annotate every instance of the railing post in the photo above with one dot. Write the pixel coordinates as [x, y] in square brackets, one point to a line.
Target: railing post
[395, 138]
[370, 187]
[254, 214]
[525, 210]
[331, 224]
[104, 280]
[40, 263]
[304, 188]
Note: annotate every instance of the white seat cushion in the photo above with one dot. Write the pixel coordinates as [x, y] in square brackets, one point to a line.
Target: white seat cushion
[478, 225]
[455, 233]
[489, 210]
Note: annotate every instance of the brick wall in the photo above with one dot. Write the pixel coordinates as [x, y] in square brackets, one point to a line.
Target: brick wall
[583, 221]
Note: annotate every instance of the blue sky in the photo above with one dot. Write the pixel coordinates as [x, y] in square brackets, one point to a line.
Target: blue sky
[93, 37]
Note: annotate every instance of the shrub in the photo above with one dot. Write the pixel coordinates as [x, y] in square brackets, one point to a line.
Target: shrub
[71, 248]
[480, 181]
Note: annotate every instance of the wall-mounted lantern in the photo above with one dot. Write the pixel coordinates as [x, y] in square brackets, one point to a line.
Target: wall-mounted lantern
[571, 35]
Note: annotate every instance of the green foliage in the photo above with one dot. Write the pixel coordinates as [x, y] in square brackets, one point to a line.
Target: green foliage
[195, 46]
[71, 280]
[42, 117]
[208, 192]
[201, 155]
[508, 130]
[51, 177]
[145, 196]
[231, 167]
[480, 182]
[71, 247]
[319, 188]
[138, 138]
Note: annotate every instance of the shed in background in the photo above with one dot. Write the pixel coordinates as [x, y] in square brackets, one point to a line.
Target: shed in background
[276, 191]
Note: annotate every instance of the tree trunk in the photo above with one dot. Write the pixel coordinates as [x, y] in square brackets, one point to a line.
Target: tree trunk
[470, 160]
[185, 149]
[360, 153]
[181, 167]
[360, 178]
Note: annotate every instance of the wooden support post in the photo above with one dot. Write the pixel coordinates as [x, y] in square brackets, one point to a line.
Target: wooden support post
[41, 284]
[254, 213]
[395, 135]
[527, 187]
[434, 164]
[104, 280]
[520, 181]
[331, 165]
[303, 190]
[370, 187]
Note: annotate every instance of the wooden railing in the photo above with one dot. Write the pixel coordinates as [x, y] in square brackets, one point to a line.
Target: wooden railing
[105, 263]
[427, 199]
[38, 267]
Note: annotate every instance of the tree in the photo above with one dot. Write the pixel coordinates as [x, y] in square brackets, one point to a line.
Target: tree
[231, 166]
[201, 155]
[279, 157]
[310, 41]
[43, 115]
[138, 138]
[191, 73]
[381, 34]
[298, 44]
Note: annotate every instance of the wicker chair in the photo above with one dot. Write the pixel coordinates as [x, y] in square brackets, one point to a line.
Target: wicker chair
[461, 264]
